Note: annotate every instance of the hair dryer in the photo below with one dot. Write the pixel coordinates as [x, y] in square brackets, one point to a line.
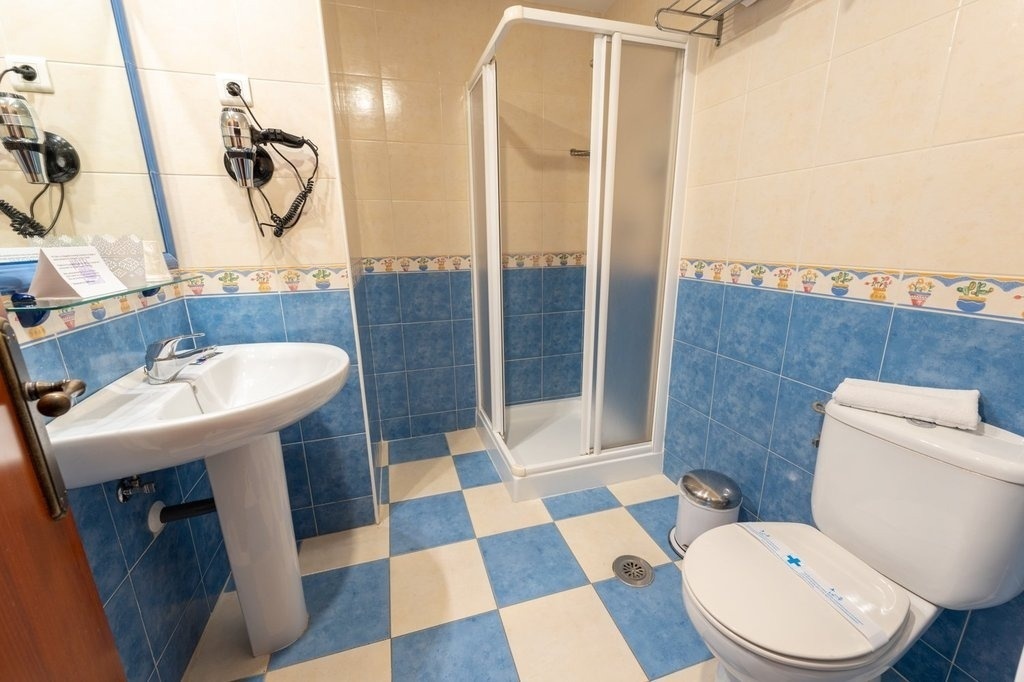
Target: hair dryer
[23, 137]
[245, 161]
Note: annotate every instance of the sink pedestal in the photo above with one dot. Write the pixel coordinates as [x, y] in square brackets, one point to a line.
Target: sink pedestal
[252, 502]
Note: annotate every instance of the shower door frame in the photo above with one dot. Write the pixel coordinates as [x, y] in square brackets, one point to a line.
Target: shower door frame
[620, 463]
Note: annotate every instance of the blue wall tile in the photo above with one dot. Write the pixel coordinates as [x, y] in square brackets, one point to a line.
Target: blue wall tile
[382, 299]
[745, 398]
[254, 318]
[562, 375]
[165, 580]
[830, 340]
[922, 663]
[439, 422]
[739, 458]
[563, 333]
[954, 351]
[125, 621]
[462, 295]
[465, 387]
[699, 313]
[431, 390]
[428, 345]
[100, 353]
[754, 325]
[338, 468]
[522, 336]
[787, 493]
[686, 434]
[393, 395]
[99, 537]
[186, 636]
[388, 348]
[344, 515]
[164, 321]
[342, 415]
[425, 296]
[296, 475]
[944, 634]
[522, 291]
[692, 377]
[992, 641]
[564, 288]
[130, 517]
[523, 380]
[320, 317]
[797, 424]
[462, 330]
[44, 362]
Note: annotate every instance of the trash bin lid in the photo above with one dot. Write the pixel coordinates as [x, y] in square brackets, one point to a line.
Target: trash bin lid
[712, 489]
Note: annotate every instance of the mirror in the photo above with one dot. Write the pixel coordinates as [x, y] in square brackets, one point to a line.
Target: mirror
[92, 108]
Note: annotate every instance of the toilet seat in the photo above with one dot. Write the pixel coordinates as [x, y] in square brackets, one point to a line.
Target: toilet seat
[755, 599]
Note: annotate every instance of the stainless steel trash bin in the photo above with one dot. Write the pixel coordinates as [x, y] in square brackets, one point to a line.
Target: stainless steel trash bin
[707, 499]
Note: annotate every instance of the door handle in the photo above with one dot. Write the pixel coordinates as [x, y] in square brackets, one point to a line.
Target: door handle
[51, 396]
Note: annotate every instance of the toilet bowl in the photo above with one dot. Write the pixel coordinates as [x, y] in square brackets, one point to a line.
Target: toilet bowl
[771, 626]
[912, 518]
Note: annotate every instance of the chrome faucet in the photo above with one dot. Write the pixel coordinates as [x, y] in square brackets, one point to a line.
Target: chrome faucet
[164, 362]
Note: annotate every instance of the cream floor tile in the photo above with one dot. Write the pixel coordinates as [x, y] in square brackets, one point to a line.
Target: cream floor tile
[597, 539]
[223, 652]
[461, 442]
[347, 548]
[438, 585]
[421, 478]
[644, 489]
[492, 510]
[568, 636]
[370, 663]
[702, 672]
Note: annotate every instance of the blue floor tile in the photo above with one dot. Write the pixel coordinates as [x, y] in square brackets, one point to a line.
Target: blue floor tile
[475, 469]
[529, 563]
[471, 649]
[421, 447]
[657, 517]
[654, 622]
[348, 607]
[429, 522]
[577, 504]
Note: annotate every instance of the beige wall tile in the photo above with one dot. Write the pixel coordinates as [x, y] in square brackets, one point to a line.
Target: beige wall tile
[162, 37]
[564, 177]
[412, 111]
[520, 58]
[724, 71]
[54, 29]
[95, 203]
[351, 40]
[520, 118]
[456, 172]
[417, 171]
[459, 239]
[884, 98]
[707, 220]
[194, 200]
[569, 52]
[361, 105]
[184, 102]
[301, 109]
[984, 93]
[781, 124]
[376, 228]
[320, 235]
[715, 143]
[864, 21]
[421, 227]
[522, 225]
[566, 121]
[792, 42]
[453, 114]
[439, 585]
[769, 217]
[971, 213]
[547, 645]
[860, 212]
[409, 46]
[372, 179]
[520, 175]
[565, 227]
[297, 34]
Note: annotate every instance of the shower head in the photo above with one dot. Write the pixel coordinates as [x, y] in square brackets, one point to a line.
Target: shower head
[23, 137]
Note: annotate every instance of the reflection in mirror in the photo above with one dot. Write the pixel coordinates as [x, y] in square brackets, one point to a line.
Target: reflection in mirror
[91, 107]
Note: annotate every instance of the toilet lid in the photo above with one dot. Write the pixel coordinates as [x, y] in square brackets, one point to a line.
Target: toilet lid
[764, 599]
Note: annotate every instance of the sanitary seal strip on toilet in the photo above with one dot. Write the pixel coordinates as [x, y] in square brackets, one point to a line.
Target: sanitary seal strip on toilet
[755, 596]
[847, 608]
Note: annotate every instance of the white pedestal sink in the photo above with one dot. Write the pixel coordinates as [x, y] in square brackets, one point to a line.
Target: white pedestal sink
[227, 411]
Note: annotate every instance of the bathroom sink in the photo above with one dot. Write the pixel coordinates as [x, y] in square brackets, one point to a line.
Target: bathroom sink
[131, 427]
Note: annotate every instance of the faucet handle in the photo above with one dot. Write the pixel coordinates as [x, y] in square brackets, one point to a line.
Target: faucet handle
[166, 348]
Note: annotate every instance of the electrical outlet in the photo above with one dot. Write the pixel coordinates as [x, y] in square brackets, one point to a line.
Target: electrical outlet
[222, 89]
[42, 83]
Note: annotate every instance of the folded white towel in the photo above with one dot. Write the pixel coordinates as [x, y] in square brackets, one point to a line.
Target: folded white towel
[943, 406]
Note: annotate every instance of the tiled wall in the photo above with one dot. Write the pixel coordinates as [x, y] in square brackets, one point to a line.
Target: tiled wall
[543, 332]
[158, 592]
[420, 331]
[747, 364]
[112, 192]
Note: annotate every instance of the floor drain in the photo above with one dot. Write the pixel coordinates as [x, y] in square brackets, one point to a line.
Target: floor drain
[633, 571]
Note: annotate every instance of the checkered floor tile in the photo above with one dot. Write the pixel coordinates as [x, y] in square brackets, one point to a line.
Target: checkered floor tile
[460, 583]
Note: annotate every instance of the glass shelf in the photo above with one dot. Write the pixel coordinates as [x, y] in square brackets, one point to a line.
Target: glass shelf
[34, 314]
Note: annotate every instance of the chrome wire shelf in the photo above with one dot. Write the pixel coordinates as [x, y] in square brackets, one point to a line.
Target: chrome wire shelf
[704, 12]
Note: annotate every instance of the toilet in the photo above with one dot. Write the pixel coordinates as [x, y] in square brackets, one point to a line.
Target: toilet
[911, 518]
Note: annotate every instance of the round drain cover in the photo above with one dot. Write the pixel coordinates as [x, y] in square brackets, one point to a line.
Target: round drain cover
[633, 571]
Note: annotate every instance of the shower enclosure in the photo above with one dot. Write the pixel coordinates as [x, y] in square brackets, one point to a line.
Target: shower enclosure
[578, 130]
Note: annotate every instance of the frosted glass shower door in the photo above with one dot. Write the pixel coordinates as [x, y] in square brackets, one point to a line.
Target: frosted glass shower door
[483, 142]
[643, 108]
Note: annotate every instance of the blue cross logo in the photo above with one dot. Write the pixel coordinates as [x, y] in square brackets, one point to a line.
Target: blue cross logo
[792, 560]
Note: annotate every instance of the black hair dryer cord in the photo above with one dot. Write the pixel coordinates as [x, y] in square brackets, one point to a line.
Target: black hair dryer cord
[22, 223]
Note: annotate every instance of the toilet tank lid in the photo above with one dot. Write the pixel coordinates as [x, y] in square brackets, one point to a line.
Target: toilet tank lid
[989, 450]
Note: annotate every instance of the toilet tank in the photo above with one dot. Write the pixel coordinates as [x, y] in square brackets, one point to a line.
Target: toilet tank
[938, 510]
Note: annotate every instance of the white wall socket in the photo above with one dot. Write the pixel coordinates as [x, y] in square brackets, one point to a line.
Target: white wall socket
[222, 89]
[42, 83]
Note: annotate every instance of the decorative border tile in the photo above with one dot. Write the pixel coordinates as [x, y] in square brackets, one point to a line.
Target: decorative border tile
[415, 263]
[982, 295]
[232, 281]
[543, 260]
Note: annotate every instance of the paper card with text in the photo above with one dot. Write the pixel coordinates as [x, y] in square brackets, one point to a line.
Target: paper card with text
[73, 272]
